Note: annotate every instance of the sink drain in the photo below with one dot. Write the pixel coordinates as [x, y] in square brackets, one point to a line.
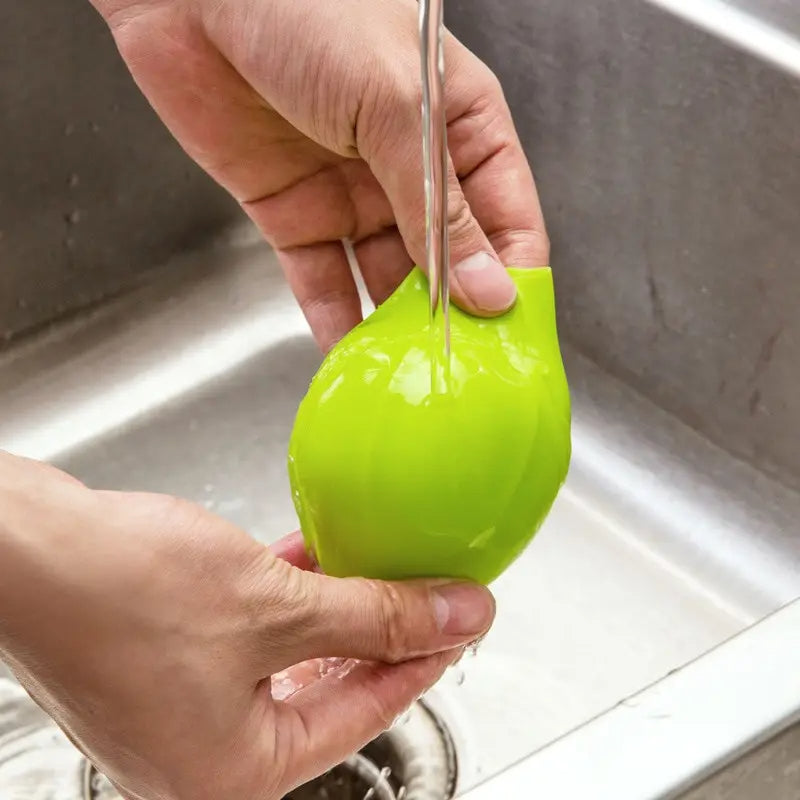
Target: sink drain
[414, 760]
[356, 779]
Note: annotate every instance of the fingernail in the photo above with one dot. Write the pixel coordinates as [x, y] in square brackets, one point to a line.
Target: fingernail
[486, 282]
[463, 609]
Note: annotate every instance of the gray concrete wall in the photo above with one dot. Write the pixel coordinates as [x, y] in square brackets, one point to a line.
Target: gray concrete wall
[93, 190]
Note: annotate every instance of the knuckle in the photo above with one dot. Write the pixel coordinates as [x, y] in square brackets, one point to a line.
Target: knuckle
[492, 85]
[389, 114]
[135, 25]
[323, 301]
[460, 221]
[283, 607]
[290, 595]
[525, 248]
[485, 82]
[382, 710]
[395, 642]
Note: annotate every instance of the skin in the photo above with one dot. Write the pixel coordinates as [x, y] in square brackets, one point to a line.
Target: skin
[308, 113]
[150, 629]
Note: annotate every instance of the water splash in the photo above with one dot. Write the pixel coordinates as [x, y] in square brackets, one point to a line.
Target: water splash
[403, 719]
[381, 782]
[346, 668]
[472, 649]
[327, 665]
[290, 681]
[283, 687]
[457, 668]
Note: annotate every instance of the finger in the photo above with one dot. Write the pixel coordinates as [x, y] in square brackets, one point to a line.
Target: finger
[340, 200]
[478, 282]
[374, 620]
[323, 284]
[503, 197]
[292, 548]
[383, 262]
[497, 180]
[369, 696]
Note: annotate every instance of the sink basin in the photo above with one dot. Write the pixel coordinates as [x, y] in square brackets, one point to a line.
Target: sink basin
[660, 548]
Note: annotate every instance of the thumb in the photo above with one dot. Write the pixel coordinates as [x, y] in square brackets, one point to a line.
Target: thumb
[368, 696]
[479, 283]
[384, 621]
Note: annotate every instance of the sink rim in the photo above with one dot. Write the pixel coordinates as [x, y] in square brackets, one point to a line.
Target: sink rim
[704, 731]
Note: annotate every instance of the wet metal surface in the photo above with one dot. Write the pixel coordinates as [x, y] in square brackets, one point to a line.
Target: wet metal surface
[660, 547]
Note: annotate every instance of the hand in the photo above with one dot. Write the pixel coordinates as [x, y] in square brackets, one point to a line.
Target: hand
[149, 629]
[308, 113]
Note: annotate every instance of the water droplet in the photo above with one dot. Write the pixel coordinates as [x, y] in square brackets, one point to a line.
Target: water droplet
[74, 180]
[283, 686]
[231, 506]
[472, 649]
[403, 719]
[346, 668]
[73, 217]
[380, 782]
[209, 487]
[327, 665]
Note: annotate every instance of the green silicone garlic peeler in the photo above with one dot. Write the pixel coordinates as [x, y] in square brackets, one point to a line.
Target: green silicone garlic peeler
[392, 481]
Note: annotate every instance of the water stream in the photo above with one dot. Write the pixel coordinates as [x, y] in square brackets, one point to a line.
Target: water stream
[435, 160]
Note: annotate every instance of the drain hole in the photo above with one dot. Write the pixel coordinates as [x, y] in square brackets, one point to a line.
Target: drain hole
[358, 778]
[415, 760]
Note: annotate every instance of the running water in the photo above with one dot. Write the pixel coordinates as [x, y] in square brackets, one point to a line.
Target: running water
[435, 159]
[459, 669]
[381, 784]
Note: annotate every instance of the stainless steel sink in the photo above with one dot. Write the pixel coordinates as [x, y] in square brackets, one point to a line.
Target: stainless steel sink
[647, 643]
[659, 548]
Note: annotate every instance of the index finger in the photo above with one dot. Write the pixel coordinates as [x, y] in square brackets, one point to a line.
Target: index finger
[320, 277]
